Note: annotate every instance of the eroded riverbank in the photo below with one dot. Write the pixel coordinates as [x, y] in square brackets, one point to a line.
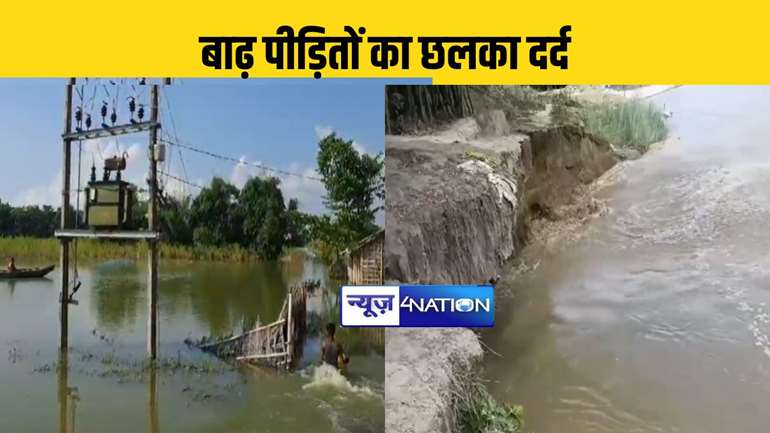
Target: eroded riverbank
[460, 204]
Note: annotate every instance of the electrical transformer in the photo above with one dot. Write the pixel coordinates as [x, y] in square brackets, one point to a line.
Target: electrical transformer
[109, 201]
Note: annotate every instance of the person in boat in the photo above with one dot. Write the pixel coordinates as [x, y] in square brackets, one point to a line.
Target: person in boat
[331, 350]
[12, 265]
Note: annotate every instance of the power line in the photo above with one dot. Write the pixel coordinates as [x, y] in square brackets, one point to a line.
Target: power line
[170, 176]
[167, 99]
[240, 161]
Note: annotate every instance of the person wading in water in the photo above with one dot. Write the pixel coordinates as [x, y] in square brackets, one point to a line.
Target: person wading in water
[331, 350]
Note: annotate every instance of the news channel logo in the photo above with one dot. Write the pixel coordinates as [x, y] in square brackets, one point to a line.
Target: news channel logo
[446, 306]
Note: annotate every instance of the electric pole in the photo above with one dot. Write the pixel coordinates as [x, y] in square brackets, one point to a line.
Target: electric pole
[65, 223]
[67, 232]
[152, 280]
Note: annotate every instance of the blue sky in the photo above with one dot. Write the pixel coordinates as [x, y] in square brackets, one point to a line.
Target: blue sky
[273, 122]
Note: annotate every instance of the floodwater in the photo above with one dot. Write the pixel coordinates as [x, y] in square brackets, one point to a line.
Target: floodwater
[656, 320]
[106, 389]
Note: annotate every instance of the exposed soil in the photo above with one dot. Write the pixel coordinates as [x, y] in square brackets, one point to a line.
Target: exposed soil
[421, 367]
[461, 203]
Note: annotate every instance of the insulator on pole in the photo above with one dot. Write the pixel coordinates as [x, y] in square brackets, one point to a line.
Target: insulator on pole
[78, 118]
[132, 107]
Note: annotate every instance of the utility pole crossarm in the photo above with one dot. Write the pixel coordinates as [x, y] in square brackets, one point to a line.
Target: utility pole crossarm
[130, 128]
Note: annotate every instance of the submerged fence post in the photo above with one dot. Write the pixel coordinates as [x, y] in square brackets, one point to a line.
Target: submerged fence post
[289, 331]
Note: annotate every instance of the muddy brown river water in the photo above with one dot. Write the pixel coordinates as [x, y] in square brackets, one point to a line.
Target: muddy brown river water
[656, 320]
[105, 388]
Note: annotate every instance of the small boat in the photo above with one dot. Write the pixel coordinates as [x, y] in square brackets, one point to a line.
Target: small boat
[26, 272]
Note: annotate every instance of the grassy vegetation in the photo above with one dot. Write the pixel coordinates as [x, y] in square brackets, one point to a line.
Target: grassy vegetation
[477, 411]
[633, 124]
[506, 98]
[327, 252]
[48, 249]
[478, 157]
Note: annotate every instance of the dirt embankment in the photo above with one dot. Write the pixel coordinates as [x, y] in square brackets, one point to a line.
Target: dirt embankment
[460, 204]
[459, 208]
[422, 367]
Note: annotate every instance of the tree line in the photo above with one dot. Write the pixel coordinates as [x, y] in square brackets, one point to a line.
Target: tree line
[255, 217]
[34, 221]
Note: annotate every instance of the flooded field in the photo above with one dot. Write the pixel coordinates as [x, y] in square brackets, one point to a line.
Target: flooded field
[657, 319]
[107, 387]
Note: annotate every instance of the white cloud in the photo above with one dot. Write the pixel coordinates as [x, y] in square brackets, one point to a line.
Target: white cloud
[308, 191]
[42, 194]
[322, 132]
[243, 171]
[359, 147]
[92, 152]
[176, 189]
[179, 190]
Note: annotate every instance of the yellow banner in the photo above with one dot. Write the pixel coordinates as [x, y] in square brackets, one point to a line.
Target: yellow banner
[609, 41]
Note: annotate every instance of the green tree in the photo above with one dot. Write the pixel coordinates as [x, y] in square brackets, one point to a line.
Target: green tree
[35, 221]
[205, 236]
[354, 185]
[217, 210]
[298, 225]
[139, 213]
[331, 238]
[264, 223]
[175, 220]
[6, 218]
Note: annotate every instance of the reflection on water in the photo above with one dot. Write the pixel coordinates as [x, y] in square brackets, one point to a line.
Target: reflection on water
[218, 296]
[68, 398]
[657, 319]
[104, 383]
[153, 400]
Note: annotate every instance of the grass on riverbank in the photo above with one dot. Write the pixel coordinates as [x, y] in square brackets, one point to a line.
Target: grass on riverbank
[631, 124]
[477, 411]
[48, 249]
